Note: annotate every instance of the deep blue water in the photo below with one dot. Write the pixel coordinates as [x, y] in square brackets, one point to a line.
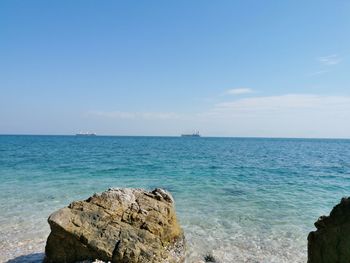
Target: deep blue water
[241, 199]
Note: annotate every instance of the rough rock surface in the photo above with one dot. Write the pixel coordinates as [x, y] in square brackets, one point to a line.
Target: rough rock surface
[119, 225]
[331, 242]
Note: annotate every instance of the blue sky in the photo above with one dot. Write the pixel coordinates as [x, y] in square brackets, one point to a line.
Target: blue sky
[226, 68]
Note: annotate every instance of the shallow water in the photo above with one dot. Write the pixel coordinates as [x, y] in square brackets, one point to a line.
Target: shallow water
[241, 200]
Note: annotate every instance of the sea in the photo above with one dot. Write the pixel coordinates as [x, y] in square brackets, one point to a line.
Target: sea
[238, 199]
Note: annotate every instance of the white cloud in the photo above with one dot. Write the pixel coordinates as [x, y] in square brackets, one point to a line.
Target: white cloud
[283, 103]
[136, 115]
[320, 72]
[330, 60]
[239, 91]
[289, 115]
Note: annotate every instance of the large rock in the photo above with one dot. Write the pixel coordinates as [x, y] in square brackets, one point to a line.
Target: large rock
[119, 225]
[331, 242]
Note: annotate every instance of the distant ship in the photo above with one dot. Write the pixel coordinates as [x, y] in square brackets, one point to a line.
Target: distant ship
[86, 134]
[196, 134]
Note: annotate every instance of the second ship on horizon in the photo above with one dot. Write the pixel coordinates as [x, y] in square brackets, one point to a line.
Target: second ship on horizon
[195, 134]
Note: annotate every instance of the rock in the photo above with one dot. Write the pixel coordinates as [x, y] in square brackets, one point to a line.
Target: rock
[118, 225]
[330, 243]
[209, 258]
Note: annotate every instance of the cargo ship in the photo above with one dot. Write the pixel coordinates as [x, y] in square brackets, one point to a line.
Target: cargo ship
[85, 134]
[196, 134]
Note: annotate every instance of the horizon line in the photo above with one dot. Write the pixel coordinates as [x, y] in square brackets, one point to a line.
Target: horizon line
[179, 136]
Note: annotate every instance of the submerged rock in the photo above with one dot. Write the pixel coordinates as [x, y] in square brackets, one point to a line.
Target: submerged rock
[119, 225]
[330, 243]
[209, 258]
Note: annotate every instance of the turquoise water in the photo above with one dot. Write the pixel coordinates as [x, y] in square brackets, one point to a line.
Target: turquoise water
[242, 200]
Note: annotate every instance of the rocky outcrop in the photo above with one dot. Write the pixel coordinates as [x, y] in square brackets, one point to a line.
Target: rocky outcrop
[119, 225]
[331, 242]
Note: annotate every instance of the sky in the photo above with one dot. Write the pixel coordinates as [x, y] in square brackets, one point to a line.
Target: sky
[226, 68]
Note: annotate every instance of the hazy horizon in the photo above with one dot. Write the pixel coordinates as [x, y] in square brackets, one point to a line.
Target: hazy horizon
[179, 135]
[228, 68]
